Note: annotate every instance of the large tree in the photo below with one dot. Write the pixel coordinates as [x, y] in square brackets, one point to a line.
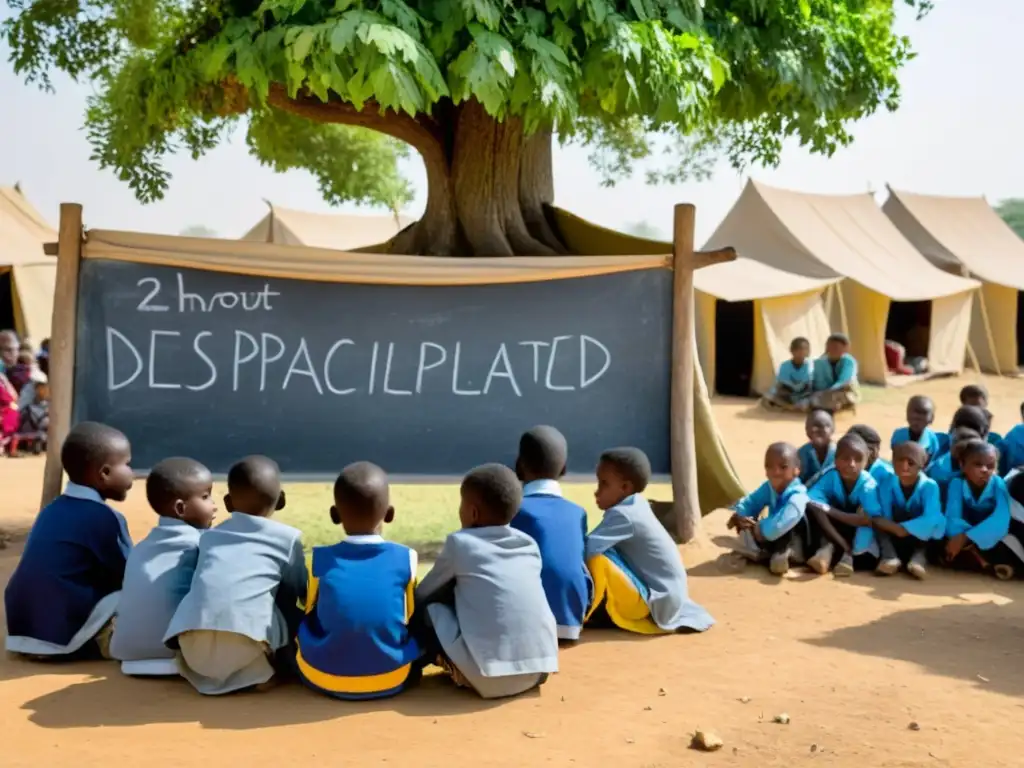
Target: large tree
[478, 88]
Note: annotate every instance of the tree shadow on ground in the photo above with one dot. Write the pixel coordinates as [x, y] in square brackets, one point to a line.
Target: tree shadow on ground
[111, 699]
[977, 642]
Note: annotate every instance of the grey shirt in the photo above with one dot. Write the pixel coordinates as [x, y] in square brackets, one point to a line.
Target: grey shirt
[249, 574]
[631, 528]
[157, 577]
[500, 613]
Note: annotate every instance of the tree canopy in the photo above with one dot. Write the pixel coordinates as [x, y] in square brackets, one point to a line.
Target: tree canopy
[1012, 212]
[684, 81]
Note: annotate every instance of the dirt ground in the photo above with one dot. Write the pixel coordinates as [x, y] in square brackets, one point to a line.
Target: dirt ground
[873, 673]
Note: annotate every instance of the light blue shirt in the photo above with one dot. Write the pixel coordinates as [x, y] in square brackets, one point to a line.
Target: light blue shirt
[542, 488]
[829, 490]
[810, 467]
[797, 379]
[920, 514]
[785, 510]
[929, 440]
[985, 519]
[824, 378]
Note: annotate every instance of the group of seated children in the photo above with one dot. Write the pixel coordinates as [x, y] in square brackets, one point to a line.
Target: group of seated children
[955, 498]
[220, 606]
[24, 398]
[829, 383]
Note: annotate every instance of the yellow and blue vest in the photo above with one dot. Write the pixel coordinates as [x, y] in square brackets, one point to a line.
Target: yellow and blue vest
[354, 641]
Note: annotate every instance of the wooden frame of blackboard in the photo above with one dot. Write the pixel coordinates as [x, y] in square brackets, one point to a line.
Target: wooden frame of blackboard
[683, 449]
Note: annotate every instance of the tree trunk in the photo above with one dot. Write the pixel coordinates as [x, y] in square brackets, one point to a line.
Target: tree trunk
[487, 182]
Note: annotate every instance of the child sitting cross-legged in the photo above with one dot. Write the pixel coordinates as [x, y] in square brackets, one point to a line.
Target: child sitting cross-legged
[978, 516]
[842, 504]
[792, 388]
[481, 612]
[920, 415]
[911, 513]
[159, 571]
[557, 525]
[639, 576]
[354, 642]
[819, 452]
[63, 594]
[776, 537]
[241, 609]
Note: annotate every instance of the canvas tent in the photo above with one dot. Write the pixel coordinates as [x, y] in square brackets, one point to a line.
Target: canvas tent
[337, 231]
[747, 312]
[891, 291]
[26, 274]
[964, 235]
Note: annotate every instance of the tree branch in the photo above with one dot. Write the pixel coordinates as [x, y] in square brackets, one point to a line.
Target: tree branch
[421, 134]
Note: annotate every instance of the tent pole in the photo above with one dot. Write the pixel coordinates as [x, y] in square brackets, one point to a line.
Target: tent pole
[62, 345]
[974, 357]
[988, 333]
[842, 309]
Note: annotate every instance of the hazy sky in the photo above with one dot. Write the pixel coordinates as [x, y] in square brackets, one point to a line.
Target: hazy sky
[960, 131]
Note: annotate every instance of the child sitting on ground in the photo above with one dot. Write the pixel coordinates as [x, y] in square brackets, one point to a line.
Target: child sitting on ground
[834, 379]
[35, 417]
[639, 576]
[911, 513]
[776, 537]
[354, 642]
[920, 415]
[876, 466]
[1013, 446]
[10, 416]
[241, 608]
[841, 506]
[64, 592]
[947, 467]
[792, 388]
[977, 395]
[978, 516]
[557, 525]
[160, 567]
[819, 452]
[481, 611]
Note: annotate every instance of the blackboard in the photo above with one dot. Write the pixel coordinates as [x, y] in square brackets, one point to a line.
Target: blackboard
[423, 380]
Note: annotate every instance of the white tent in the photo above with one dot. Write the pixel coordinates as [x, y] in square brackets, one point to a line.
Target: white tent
[337, 231]
[30, 274]
[828, 237]
[964, 235]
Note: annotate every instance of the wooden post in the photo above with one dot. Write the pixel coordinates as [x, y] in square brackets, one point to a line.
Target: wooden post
[62, 345]
[685, 262]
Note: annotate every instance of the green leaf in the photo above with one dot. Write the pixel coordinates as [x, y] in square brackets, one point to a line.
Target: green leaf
[805, 9]
[303, 42]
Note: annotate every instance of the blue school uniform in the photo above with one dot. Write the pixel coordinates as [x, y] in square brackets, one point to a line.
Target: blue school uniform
[785, 510]
[1012, 449]
[830, 490]
[632, 538]
[156, 579]
[810, 466]
[881, 469]
[920, 513]
[797, 379]
[354, 641]
[65, 587]
[929, 440]
[943, 473]
[984, 518]
[560, 529]
[828, 375]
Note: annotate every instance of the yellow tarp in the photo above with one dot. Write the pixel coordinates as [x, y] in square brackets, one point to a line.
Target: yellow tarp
[22, 235]
[964, 234]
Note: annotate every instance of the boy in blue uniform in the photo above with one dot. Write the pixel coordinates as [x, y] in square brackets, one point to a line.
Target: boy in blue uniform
[920, 415]
[819, 452]
[834, 380]
[842, 504]
[1013, 447]
[63, 594]
[481, 610]
[241, 609]
[354, 642]
[777, 536]
[876, 466]
[978, 516]
[911, 513]
[792, 388]
[639, 576]
[159, 570]
[947, 467]
[557, 525]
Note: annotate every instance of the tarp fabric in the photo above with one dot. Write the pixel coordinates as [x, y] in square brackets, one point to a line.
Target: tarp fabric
[23, 232]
